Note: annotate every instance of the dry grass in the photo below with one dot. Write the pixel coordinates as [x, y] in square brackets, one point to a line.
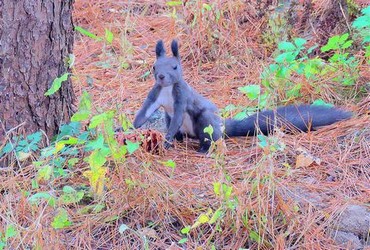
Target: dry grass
[287, 206]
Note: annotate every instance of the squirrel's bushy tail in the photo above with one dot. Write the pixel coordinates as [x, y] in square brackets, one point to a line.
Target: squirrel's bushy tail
[302, 118]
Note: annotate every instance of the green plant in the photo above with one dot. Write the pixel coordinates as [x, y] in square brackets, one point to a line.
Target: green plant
[362, 27]
[10, 232]
[21, 146]
[293, 66]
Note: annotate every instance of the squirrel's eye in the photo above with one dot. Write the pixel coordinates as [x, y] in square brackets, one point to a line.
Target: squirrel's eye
[153, 68]
[174, 67]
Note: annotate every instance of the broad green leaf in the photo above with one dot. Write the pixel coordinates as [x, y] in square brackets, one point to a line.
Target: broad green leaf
[216, 215]
[217, 188]
[227, 190]
[254, 236]
[203, 218]
[57, 83]
[84, 109]
[343, 38]
[241, 115]
[61, 220]
[109, 36]
[251, 91]
[332, 44]
[287, 46]
[96, 159]
[208, 130]
[262, 141]
[320, 102]
[71, 195]
[101, 118]
[299, 42]
[183, 240]
[45, 173]
[132, 146]
[185, 230]
[207, 7]
[86, 33]
[11, 231]
[173, 3]
[347, 44]
[38, 197]
[98, 143]
[170, 164]
[361, 22]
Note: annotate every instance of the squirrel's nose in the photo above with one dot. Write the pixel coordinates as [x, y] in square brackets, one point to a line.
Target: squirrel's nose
[161, 76]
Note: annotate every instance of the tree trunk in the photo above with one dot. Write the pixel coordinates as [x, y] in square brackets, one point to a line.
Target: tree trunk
[36, 38]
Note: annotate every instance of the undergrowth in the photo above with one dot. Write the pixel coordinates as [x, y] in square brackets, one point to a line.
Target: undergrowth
[234, 200]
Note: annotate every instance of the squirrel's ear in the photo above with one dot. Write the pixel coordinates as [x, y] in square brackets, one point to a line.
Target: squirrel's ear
[175, 48]
[159, 49]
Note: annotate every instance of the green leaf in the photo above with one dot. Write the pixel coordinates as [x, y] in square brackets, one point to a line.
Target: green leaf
[366, 11]
[216, 215]
[173, 3]
[254, 236]
[11, 231]
[132, 146]
[287, 46]
[61, 220]
[299, 42]
[347, 44]
[343, 38]
[217, 188]
[57, 83]
[38, 197]
[226, 191]
[208, 130]
[262, 141]
[98, 143]
[122, 228]
[203, 218]
[84, 109]
[207, 7]
[170, 164]
[86, 33]
[101, 118]
[45, 173]
[71, 196]
[183, 240]
[251, 91]
[185, 230]
[332, 44]
[109, 36]
[320, 102]
[241, 115]
[361, 22]
[97, 159]
[145, 75]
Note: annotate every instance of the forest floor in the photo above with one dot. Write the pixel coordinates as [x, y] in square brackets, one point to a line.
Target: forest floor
[295, 193]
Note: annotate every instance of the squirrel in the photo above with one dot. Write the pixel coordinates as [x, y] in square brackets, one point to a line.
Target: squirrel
[187, 112]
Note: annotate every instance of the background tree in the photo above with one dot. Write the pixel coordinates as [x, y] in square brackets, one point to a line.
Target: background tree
[36, 38]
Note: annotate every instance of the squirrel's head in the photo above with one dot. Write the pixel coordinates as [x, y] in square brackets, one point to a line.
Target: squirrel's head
[167, 70]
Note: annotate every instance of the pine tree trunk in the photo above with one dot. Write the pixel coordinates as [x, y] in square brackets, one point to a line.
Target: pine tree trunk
[36, 38]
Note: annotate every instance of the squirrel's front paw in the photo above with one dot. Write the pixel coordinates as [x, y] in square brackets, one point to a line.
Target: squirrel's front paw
[167, 144]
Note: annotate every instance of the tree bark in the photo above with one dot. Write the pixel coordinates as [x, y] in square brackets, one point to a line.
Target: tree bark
[36, 38]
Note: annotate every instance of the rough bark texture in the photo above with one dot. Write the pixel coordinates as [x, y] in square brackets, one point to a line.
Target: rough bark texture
[36, 38]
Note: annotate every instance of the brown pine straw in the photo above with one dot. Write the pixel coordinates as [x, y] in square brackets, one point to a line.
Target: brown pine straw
[289, 207]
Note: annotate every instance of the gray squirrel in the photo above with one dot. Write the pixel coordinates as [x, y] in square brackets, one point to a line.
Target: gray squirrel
[187, 112]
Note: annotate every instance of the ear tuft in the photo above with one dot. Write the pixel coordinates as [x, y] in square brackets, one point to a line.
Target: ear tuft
[159, 49]
[175, 48]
